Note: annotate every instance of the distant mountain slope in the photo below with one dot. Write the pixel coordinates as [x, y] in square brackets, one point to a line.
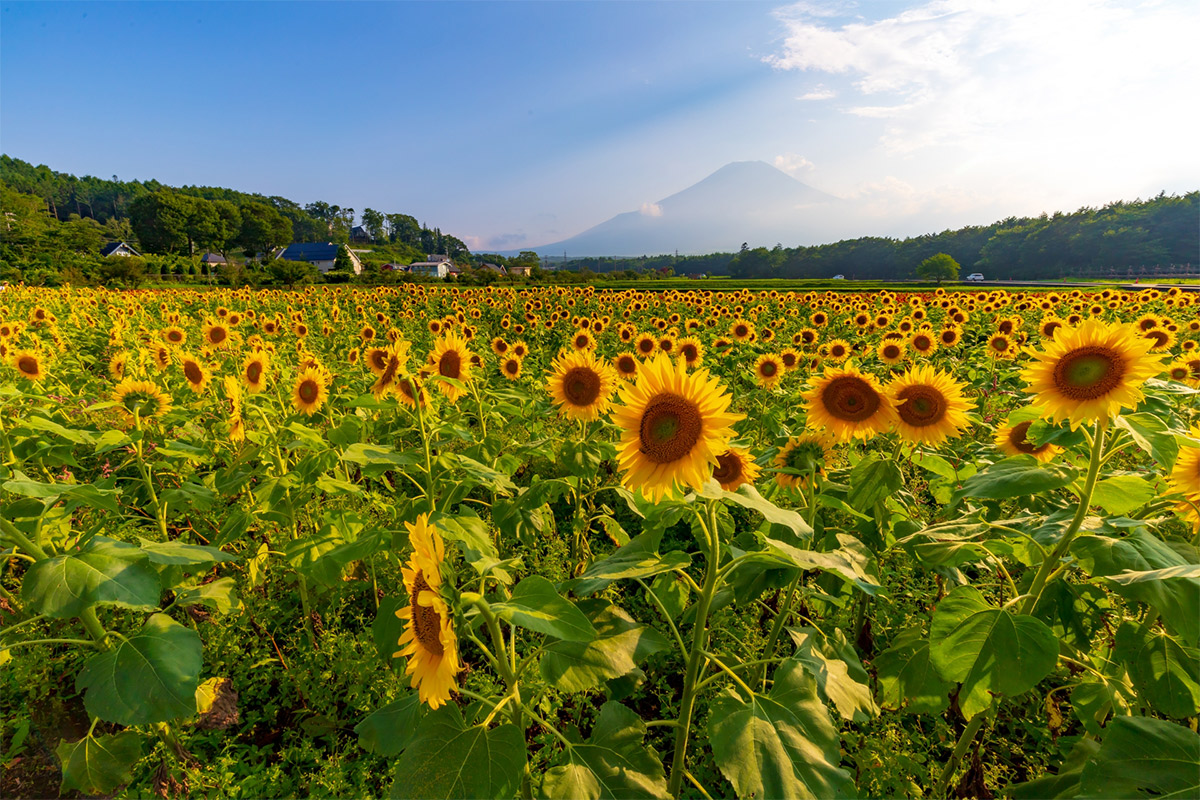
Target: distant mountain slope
[746, 201]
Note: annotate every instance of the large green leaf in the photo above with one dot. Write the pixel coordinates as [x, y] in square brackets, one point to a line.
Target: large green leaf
[613, 763]
[449, 759]
[96, 765]
[85, 494]
[748, 497]
[1175, 598]
[537, 606]
[1144, 757]
[1018, 476]
[183, 554]
[990, 650]
[106, 572]
[841, 682]
[907, 679]
[1065, 784]
[150, 677]
[850, 562]
[619, 645]
[220, 595]
[638, 559]
[778, 745]
[1163, 670]
[390, 729]
[1123, 493]
[871, 480]
[1152, 435]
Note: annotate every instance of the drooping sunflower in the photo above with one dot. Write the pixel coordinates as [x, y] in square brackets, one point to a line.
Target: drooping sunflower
[674, 425]
[392, 370]
[849, 404]
[1012, 441]
[233, 396]
[581, 385]
[117, 364]
[409, 391]
[804, 456]
[428, 641]
[1160, 338]
[1185, 479]
[376, 359]
[768, 370]
[451, 359]
[1090, 372]
[930, 405]
[310, 390]
[194, 373]
[735, 467]
[140, 399]
[626, 366]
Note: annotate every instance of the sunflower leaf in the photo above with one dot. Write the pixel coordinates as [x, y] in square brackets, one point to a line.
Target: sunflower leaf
[449, 759]
[537, 606]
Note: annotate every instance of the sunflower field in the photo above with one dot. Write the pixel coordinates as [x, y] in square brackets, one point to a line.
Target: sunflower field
[432, 542]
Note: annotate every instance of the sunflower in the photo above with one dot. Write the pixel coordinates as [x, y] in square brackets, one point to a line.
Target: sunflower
[216, 334]
[674, 425]
[1185, 479]
[28, 363]
[735, 467]
[849, 404]
[890, 352]
[626, 366]
[1002, 346]
[428, 640]
[1048, 326]
[386, 383]
[451, 359]
[645, 345]
[923, 342]
[1179, 371]
[310, 390]
[254, 372]
[140, 399]
[1090, 372]
[194, 372]
[510, 367]
[790, 358]
[1012, 441]
[520, 349]
[691, 351]
[930, 405]
[1160, 338]
[499, 346]
[582, 340]
[581, 385]
[805, 455]
[742, 330]
[376, 359]
[233, 394]
[838, 349]
[950, 336]
[174, 335]
[768, 370]
[117, 364]
[162, 358]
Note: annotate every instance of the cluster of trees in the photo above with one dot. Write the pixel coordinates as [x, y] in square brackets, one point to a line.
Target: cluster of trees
[1161, 231]
[58, 221]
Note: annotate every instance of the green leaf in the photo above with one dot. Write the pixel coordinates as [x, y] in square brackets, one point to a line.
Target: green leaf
[387, 627]
[619, 645]
[183, 554]
[638, 559]
[614, 763]
[871, 480]
[376, 455]
[220, 595]
[388, 730]
[990, 650]
[1019, 476]
[1063, 785]
[672, 592]
[1163, 670]
[97, 765]
[79, 493]
[848, 563]
[931, 462]
[1152, 435]
[748, 497]
[1144, 757]
[536, 605]
[1175, 598]
[782, 744]
[448, 759]
[848, 693]
[907, 679]
[106, 572]
[1123, 493]
[150, 677]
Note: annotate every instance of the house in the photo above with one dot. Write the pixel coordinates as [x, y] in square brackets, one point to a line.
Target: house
[433, 269]
[522, 270]
[320, 254]
[359, 234]
[213, 260]
[119, 249]
[496, 268]
[394, 267]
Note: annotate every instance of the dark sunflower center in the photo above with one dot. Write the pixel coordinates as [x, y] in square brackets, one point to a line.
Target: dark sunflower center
[949, 337]
[427, 624]
[1158, 337]
[1180, 373]
[581, 342]
[789, 360]
[645, 345]
[769, 369]
[891, 351]
[175, 336]
[922, 342]
[28, 365]
[192, 371]
[921, 406]
[450, 365]
[216, 335]
[728, 468]
[1006, 326]
[1050, 327]
[389, 372]
[511, 367]
[837, 351]
[1147, 324]
[670, 428]
[808, 338]
[999, 344]
[581, 385]
[1088, 372]
[253, 371]
[378, 359]
[627, 365]
[1017, 439]
[308, 390]
[689, 352]
[850, 399]
[1194, 366]
[501, 346]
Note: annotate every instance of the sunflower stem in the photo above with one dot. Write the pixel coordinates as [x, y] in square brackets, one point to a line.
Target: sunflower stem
[699, 643]
[11, 531]
[781, 617]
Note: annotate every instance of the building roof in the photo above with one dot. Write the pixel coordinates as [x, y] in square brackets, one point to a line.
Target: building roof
[310, 251]
[112, 247]
[212, 258]
[493, 267]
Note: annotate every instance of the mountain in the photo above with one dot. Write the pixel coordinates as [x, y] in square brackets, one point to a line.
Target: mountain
[746, 201]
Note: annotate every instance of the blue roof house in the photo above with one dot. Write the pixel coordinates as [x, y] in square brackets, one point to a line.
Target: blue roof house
[320, 254]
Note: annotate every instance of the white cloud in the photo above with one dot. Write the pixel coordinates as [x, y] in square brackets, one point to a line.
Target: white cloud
[650, 210]
[819, 93]
[792, 163]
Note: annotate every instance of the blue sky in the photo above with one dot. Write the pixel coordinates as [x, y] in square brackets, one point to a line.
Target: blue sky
[518, 124]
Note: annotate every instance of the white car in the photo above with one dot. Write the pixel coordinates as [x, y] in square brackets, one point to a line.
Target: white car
[839, 277]
[975, 276]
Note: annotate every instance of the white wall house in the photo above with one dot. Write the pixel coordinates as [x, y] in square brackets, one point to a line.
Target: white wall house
[319, 254]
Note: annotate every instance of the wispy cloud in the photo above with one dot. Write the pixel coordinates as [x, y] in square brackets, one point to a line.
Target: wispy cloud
[819, 93]
[650, 210]
[792, 163]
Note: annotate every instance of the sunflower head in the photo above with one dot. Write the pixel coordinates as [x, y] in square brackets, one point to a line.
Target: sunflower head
[848, 404]
[28, 364]
[626, 366]
[1012, 441]
[930, 405]
[1185, 481]
[735, 467]
[140, 399]
[194, 373]
[890, 352]
[581, 385]
[1090, 372]
[310, 390]
[510, 367]
[768, 370]
[428, 641]
[674, 425]
[451, 359]
[801, 459]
